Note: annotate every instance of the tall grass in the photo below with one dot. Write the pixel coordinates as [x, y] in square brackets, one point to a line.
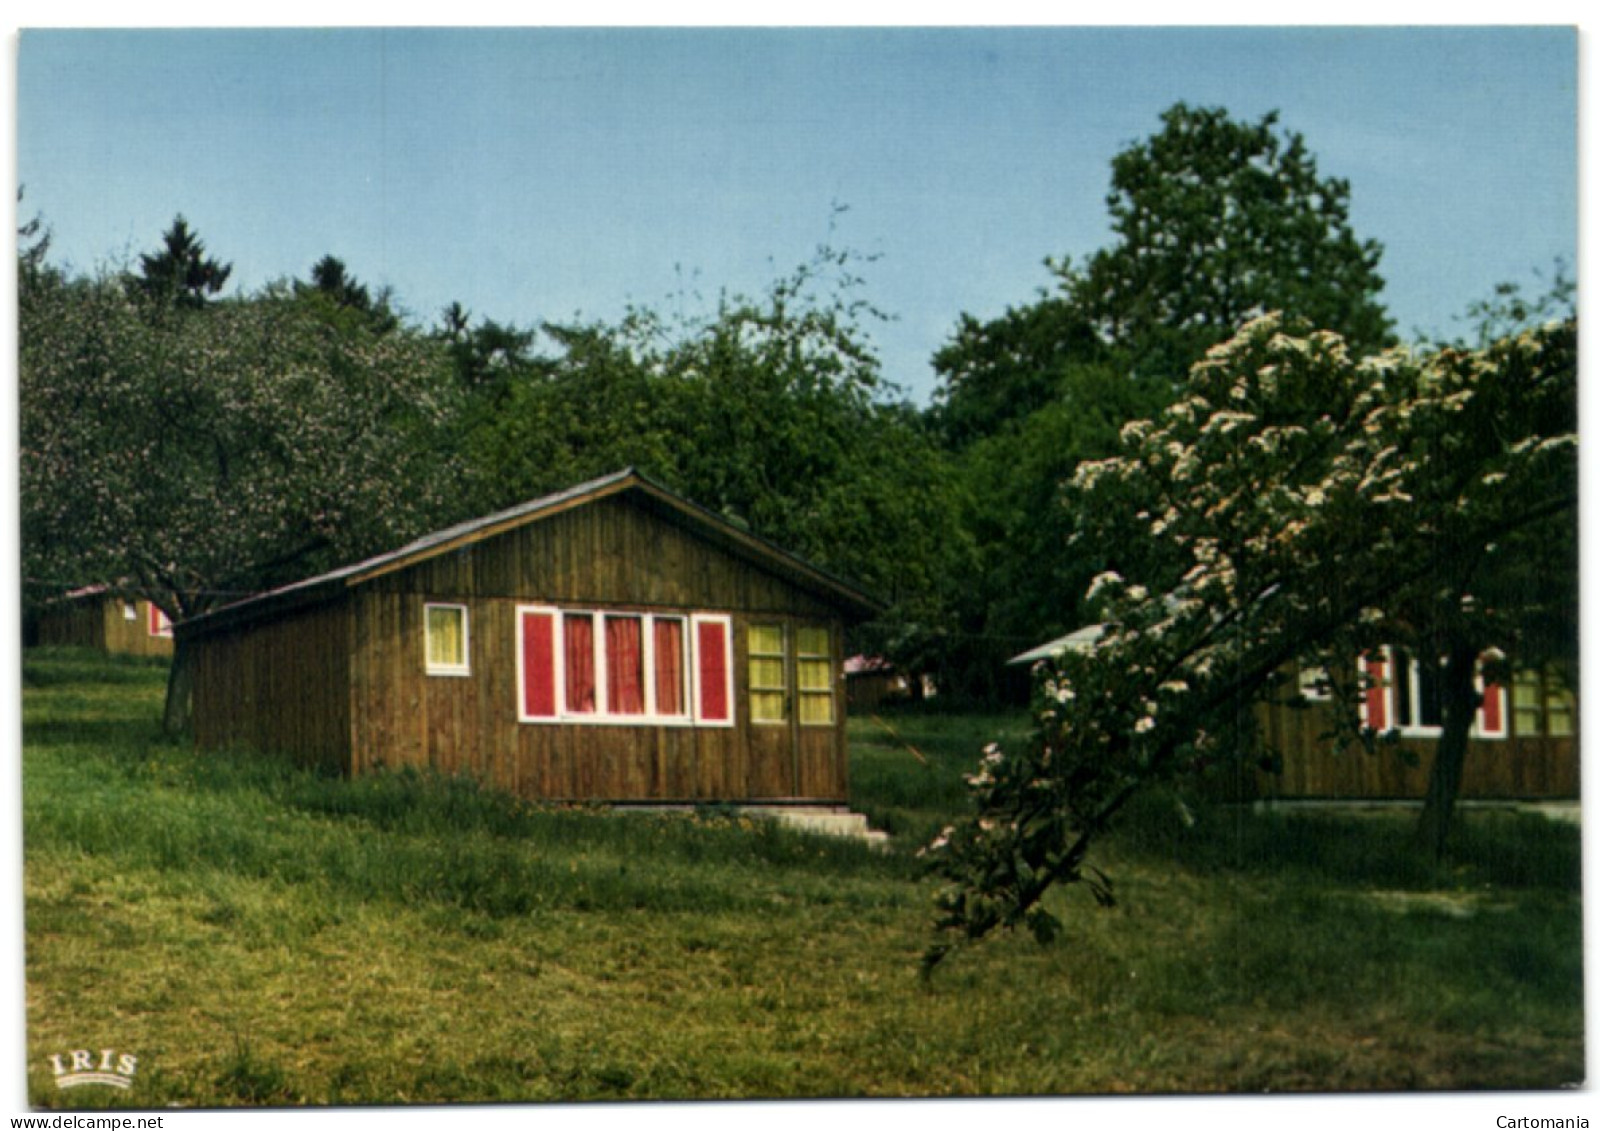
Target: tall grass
[418, 839]
[262, 934]
[908, 767]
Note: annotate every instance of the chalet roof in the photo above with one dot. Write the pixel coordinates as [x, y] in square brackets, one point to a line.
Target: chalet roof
[1080, 640]
[701, 520]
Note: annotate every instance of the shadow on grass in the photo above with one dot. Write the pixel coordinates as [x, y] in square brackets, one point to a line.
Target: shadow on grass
[1369, 849]
[58, 666]
[106, 734]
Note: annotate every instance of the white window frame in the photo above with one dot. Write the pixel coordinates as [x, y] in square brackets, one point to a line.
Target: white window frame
[1416, 730]
[653, 716]
[455, 670]
[1313, 684]
[130, 610]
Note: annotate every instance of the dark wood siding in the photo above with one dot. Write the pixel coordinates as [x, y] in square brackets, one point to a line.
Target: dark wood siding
[81, 624]
[1514, 767]
[614, 555]
[99, 622]
[278, 686]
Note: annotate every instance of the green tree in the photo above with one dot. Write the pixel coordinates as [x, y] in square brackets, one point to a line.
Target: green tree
[770, 410]
[1215, 221]
[1510, 310]
[1519, 593]
[489, 359]
[180, 274]
[33, 244]
[1218, 222]
[196, 459]
[1012, 587]
[994, 374]
[344, 297]
[1294, 502]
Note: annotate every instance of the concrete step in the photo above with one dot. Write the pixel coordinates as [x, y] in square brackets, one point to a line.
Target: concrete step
[830, 822]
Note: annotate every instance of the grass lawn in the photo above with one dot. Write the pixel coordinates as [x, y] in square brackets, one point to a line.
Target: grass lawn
[261, 935]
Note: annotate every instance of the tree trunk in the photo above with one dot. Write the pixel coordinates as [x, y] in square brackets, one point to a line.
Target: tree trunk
[177, 718]
[1459, 693]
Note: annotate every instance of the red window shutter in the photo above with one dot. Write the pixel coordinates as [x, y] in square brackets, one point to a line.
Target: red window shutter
[538, 665]
[1377, 694]
[711, 652]
[1493, 720]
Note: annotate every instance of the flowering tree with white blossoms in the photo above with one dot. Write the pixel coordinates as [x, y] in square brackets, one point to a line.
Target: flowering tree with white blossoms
[193, 459]
[1295, 502]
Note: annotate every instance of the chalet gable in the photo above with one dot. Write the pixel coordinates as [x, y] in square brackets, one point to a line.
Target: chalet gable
[628, 484]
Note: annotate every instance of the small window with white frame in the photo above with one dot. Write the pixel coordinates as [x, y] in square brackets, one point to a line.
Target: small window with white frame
[445, 633]
[1314, 684]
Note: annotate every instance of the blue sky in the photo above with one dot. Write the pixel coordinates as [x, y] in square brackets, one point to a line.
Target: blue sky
[542, 174]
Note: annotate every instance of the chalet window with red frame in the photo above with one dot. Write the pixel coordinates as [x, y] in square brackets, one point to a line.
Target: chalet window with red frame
[588, 665]
[158, 622]
[1404, 695]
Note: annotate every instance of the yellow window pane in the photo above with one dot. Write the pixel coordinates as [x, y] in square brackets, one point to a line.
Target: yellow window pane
[816, 709]
[1526, 690]
[812, 642]
[766, 639]
[446, 637]
[1560, 709]
[1527, 721]
[766, 674]
[815, 676]
[766, 706]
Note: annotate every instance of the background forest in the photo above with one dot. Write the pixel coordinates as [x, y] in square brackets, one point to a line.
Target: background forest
[199, 444]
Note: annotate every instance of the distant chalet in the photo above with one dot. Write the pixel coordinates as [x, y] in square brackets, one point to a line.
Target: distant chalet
[96, 617]
[1523, 745]
[611, 642]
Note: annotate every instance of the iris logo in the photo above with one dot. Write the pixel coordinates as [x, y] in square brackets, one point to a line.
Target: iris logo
[80, 1066]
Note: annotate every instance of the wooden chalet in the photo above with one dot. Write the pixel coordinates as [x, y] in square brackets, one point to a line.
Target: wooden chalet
[871, 681]
[612, 642]
[97, 618]
[1524, 745]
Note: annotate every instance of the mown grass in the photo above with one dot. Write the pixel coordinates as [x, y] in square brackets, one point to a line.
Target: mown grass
[258, 934]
